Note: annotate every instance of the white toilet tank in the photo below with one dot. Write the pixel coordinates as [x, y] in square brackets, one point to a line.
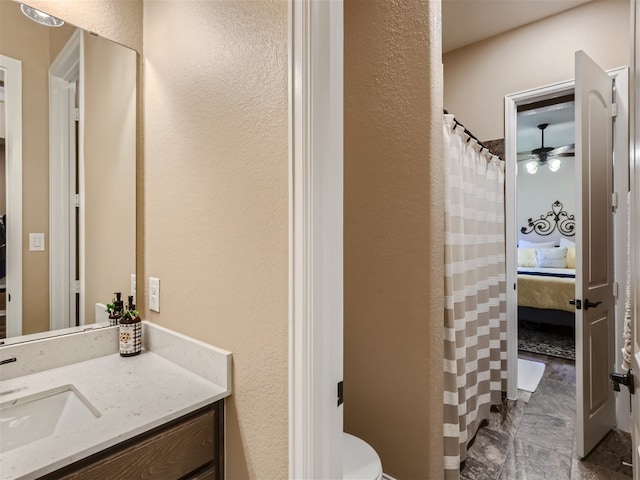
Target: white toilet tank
[359, 460]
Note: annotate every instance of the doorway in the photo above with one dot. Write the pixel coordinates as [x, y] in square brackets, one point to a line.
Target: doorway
[64, 229]
[620, 187]
[545, 206]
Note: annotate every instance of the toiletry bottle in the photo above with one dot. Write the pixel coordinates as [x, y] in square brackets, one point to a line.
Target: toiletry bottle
[116, 313]
[130, 331]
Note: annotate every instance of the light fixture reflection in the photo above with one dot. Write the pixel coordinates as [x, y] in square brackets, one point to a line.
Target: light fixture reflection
[532, 167]
[554, 164]
[40, 17]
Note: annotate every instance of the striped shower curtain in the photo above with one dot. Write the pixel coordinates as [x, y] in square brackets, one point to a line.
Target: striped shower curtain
[475, 320]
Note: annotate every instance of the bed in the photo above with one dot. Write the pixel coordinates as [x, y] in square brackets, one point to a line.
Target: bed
[544, 294]
[546, 269]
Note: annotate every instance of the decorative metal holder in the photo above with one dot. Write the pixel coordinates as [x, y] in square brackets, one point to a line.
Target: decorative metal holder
[557, 218]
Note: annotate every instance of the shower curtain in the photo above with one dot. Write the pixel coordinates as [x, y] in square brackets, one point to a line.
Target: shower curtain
[475, 337]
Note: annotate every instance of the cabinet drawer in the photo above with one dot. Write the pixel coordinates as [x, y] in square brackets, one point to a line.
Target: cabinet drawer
[169, 453]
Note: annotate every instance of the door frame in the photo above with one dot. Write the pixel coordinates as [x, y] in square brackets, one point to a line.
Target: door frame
[316, 35]
[621, 182]
[634, 147]
[13, 161]
[64, 72]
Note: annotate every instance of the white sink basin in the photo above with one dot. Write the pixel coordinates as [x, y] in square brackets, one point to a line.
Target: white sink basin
[33, 417]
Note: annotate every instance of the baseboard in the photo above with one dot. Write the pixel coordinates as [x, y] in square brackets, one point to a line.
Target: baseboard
[387, 477]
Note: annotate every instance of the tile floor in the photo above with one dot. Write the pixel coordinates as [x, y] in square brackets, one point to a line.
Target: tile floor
[534, 437]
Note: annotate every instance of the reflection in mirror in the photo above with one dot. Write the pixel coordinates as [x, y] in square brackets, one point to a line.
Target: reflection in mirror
[67, 174]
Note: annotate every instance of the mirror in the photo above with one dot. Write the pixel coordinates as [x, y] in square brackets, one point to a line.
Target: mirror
[67, 175]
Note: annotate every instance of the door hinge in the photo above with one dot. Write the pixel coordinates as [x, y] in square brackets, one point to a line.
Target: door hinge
[615, 289]
[614, 110]
[340, 392]
[614, 202]
[76, 200]
[75, 286]
[76, 114]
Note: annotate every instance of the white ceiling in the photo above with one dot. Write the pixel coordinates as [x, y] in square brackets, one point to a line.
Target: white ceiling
[559, 132]
[469, 21]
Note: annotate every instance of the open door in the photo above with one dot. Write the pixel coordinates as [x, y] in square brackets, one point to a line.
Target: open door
[595, 402]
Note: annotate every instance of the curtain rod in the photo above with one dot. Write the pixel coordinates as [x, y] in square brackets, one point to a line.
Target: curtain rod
[471, 135]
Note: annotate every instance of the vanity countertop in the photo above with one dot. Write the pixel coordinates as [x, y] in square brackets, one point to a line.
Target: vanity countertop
[173, 376]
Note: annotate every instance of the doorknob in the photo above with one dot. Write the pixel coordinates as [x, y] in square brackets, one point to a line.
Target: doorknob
[624, 379]
[577, 303]
[588, 304]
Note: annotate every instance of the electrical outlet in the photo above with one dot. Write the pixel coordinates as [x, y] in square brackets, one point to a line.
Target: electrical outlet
[154, 294]
[133, 288]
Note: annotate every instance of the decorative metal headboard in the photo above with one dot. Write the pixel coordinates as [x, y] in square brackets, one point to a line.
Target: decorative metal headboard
[556, 218]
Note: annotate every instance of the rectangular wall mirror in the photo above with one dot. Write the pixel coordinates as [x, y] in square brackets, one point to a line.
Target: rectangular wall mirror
[67, 175]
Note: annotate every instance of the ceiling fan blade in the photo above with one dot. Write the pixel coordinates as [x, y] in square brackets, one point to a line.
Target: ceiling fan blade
[571, 148]
[523, 157]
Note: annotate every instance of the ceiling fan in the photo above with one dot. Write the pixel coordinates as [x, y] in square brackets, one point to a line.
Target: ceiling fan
[549, 156]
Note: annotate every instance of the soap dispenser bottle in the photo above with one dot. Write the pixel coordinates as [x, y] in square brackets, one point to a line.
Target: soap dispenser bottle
[130, 331]
[116, 312]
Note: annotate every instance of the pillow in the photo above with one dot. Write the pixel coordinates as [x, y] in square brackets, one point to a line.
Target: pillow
[551, 257]
[567, 243]
[571, 257]
[525, 244]
[527, 257]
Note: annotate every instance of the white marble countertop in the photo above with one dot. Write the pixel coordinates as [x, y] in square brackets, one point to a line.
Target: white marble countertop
[174, 376]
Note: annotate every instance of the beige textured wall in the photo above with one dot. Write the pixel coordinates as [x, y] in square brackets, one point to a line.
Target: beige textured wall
[393, 228]
[109, 92]
[216, 203]
[478, 77]
[22, 39]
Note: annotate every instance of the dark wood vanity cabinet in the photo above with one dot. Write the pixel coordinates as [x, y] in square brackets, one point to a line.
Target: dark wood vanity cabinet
[190, 447]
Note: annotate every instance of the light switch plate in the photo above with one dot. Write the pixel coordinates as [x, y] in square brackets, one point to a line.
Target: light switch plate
[154, 294]
[36, 242]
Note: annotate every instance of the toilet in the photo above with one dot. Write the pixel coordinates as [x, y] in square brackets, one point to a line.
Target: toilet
[359, 461]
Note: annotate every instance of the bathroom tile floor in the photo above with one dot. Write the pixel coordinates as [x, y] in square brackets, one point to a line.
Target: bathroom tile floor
[534, 437]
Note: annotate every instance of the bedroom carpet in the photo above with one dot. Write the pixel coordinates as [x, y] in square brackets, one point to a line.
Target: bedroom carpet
[547, 340]
[529, 374]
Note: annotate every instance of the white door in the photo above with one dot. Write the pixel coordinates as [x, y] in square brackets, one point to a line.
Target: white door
[595, 402]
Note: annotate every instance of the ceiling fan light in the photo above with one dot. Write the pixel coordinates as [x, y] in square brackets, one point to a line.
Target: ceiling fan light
[554, 164]
[532, 167]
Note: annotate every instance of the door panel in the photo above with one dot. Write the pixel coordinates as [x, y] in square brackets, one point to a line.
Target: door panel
[595, 408]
